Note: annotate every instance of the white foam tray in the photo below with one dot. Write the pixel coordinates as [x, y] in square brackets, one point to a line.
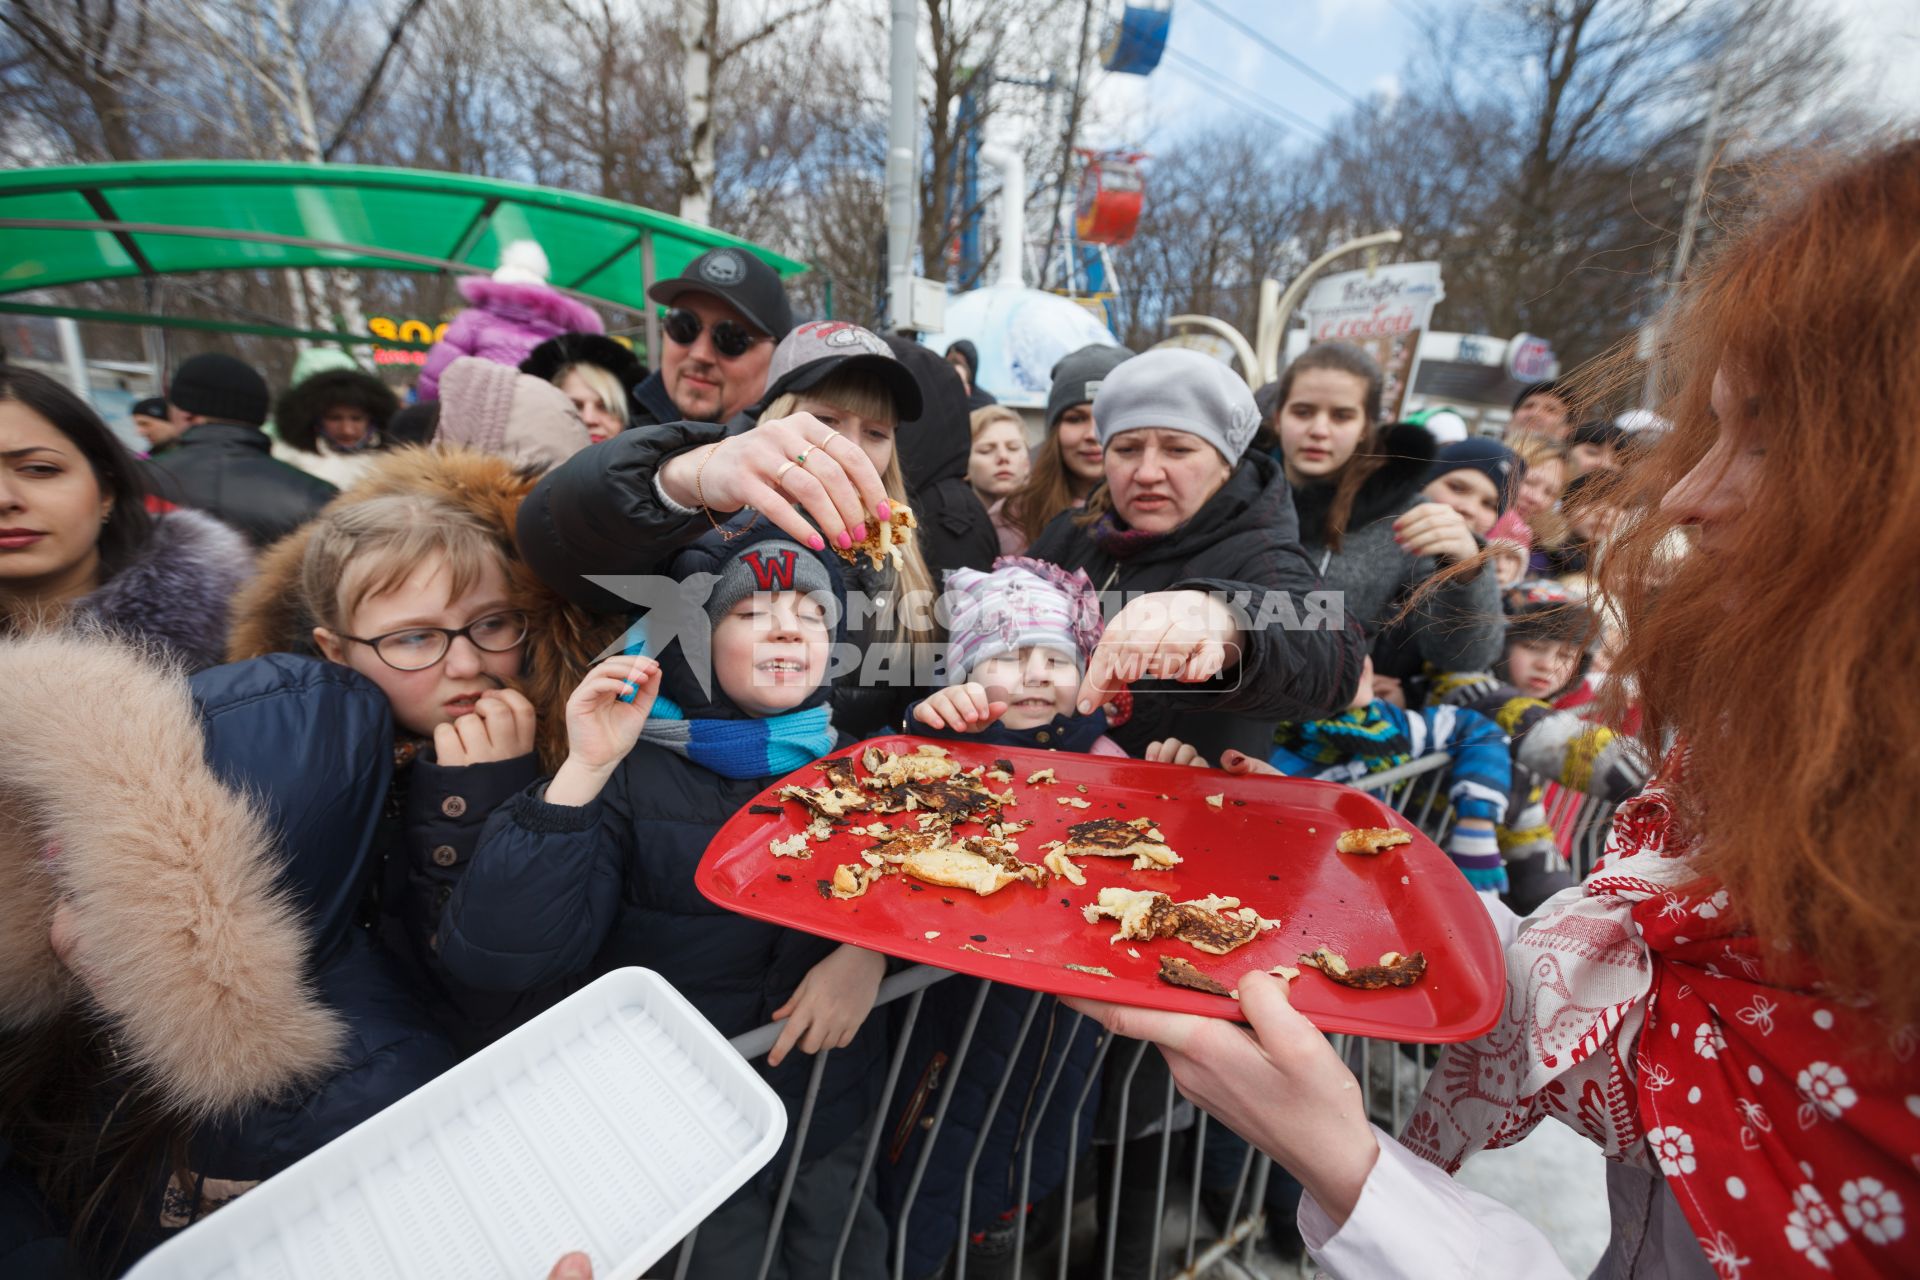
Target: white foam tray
[612, 1123]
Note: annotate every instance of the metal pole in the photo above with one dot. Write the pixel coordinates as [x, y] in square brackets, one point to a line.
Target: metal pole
[1066, 153]
[1276, 333]
[648, 274]
[903, 156]
[1702, 168]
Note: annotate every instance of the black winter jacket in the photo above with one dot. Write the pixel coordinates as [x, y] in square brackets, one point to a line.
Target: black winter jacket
[597, 514]
[1244, 543]
[955, 529]
[557, 893]
[228, 470]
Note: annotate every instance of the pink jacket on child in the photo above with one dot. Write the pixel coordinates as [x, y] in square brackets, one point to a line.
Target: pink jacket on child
[504, 324]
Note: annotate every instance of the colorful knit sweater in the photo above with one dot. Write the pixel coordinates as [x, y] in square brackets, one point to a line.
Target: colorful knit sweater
[1381, 736]
[1548, 745]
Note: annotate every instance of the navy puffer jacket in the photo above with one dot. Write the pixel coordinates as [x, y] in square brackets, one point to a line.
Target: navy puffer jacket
[312, 741]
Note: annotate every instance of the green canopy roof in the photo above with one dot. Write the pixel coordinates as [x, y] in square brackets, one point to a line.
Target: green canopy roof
[76, 223]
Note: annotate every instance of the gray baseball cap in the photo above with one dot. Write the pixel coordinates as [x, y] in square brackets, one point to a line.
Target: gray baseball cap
[819, 348]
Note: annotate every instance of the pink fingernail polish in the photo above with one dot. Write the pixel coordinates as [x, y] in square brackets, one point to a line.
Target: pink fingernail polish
[884, 511]
[844, 539]
[817, 542]
[860, 533]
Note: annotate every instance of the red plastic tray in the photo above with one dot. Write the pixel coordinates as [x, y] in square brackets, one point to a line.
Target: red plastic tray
[1270, 844]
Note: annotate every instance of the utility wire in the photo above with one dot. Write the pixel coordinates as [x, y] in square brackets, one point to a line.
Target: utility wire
[1276, 50]
[1197, 72]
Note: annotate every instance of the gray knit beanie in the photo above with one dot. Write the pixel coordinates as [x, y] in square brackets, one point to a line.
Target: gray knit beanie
[1178, 390]
[774, 564]
[1077, 376]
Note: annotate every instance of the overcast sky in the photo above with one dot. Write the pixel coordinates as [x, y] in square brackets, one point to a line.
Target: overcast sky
[1362, 45]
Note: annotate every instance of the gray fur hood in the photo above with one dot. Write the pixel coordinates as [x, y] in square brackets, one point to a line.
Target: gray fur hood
[177, 590]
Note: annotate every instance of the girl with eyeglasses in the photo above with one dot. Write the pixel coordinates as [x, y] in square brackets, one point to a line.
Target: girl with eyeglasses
[411, 580]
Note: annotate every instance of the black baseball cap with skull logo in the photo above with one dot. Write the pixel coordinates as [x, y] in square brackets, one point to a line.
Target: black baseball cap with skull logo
[741, 279]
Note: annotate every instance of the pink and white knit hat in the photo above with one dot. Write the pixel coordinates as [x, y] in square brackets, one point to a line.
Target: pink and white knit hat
[1022, 603]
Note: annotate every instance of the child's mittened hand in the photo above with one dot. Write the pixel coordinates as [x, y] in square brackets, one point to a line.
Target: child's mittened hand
[500, 727]
[1174, 751]
[1238, 762]
[601, 728]
[827, 1008]
[961, 708]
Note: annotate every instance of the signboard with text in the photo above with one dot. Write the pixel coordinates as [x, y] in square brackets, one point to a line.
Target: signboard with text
[1383, 312]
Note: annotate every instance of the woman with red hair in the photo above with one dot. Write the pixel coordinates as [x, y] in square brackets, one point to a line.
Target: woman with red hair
[1728, 1005]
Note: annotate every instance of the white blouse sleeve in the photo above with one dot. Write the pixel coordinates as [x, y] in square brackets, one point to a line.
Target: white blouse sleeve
[1413, 1222]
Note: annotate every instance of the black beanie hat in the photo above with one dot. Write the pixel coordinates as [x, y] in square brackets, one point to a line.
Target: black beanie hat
[1077, 377]
[1490, 458]
[220, 387]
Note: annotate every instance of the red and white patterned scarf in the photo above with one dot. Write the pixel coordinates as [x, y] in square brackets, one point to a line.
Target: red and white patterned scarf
[1638, 1012]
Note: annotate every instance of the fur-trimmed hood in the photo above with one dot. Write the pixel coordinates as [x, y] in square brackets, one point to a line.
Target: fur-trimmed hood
[197, 950]
[562, 639]
[176, 591]
[297, 415]
[536, 303]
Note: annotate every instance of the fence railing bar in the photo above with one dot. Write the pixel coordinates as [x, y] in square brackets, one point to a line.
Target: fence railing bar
[986, 1132]
[752, 1044]
[1120, 1157]
[1430, 763]
[1039, 1117]
[1160, 1183]
[1104, 1042]
[933, 1133]
[793, 1164]
[1257, 1211]
[1193, 1192]
[876, 1126]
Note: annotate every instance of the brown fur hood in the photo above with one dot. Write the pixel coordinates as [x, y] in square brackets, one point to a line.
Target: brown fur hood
[562, 638]
[198, 961]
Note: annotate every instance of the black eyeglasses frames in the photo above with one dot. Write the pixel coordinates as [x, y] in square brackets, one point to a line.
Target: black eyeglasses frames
[417, 648]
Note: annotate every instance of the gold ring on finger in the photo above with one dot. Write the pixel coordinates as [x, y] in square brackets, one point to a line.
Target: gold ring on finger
[800, 458]
[784, 468]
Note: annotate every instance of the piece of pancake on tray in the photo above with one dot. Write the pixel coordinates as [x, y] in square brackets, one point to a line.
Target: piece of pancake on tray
[1211, 924]
[1136, 838]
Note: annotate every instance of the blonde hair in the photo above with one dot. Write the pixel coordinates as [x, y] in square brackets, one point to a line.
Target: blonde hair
[1550, 526]
[985, 416]
[366, 549]
[606, 388]
[867, 397]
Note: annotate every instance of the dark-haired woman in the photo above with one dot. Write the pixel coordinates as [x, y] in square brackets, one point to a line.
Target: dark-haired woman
[76, 538]
[1366, 526]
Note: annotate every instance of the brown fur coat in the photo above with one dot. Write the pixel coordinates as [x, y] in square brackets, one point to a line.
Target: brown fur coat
[562, 639]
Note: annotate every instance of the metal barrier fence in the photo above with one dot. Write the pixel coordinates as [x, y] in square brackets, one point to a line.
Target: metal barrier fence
[1177, 1247]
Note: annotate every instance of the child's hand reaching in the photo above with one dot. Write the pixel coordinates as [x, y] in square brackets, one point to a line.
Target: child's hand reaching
[827, 1008]
[1174, 751]
[500, 727]
[601, 728]
[1238, 762]
[961, 708]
